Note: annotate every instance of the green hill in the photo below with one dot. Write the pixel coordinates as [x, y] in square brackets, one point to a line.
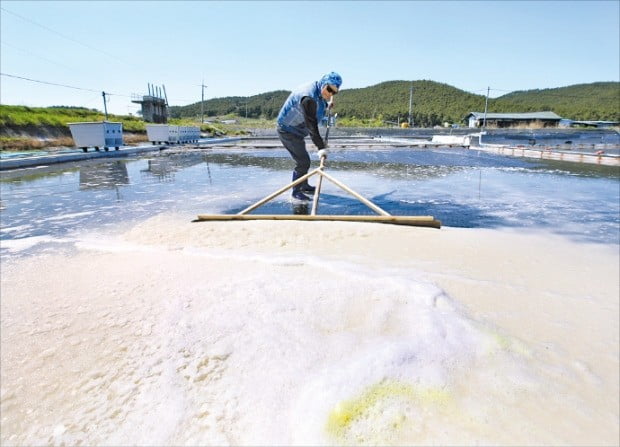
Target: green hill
[433, 103]
[265, 105]
[596, 101]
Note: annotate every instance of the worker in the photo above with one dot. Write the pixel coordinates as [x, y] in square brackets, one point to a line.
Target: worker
[299, 117]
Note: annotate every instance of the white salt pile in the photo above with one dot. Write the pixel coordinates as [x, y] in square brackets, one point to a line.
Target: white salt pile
[316, 333]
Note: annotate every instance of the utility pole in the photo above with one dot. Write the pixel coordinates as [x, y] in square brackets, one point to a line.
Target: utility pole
[202, 103]
[105, 106]
[486, 102]
[166, 109]
[410, 105]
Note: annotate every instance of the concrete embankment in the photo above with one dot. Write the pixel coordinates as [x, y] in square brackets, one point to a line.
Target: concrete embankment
[601, 153]
[597, 156]
[24, 160]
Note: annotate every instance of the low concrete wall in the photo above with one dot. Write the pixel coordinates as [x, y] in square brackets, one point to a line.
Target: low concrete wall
[548, 154]
[65, 157]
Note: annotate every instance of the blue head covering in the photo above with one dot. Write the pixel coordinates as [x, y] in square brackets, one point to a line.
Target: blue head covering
[332, 78]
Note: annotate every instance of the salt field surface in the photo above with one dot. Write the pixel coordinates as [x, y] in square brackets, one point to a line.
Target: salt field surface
[124, 323]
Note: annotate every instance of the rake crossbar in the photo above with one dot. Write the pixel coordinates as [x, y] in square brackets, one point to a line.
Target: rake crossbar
[416, 221]
[383, 217]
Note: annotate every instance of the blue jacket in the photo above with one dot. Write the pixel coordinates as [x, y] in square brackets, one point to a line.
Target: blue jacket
[291, 116]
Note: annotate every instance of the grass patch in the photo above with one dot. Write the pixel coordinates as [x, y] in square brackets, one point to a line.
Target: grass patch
[16, 118]
[34, 128]
[27, 143]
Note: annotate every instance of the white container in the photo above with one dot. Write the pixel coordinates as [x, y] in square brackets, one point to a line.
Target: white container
[188, 133]
[104, 134]
[452, 140]
[167, 133]
[162, 133]
[173, 134]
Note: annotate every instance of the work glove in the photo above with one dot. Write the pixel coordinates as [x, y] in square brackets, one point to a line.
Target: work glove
[322, 153]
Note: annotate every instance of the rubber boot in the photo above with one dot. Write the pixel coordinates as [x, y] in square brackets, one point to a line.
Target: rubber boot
[297, 189]
[305, 187]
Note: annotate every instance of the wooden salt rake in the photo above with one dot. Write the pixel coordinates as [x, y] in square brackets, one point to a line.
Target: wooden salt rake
[382, 217]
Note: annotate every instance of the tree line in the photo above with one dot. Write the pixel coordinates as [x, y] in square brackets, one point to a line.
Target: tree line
[434, 103]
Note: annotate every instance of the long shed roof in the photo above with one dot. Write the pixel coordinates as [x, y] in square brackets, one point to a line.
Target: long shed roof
[517, 116]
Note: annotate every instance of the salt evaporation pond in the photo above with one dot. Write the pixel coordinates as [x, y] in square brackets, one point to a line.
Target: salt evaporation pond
[462, 188]
[123, 323]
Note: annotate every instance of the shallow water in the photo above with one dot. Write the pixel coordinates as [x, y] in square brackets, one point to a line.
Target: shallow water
[461, 188]
[552, 137]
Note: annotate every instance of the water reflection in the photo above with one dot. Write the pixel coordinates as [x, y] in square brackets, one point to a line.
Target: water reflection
[462, 188]
[406, 162]
[300, 208]
[164, 168]
[104, 176]
[349, 162]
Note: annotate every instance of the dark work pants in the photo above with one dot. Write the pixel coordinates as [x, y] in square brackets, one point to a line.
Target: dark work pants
[296, 146]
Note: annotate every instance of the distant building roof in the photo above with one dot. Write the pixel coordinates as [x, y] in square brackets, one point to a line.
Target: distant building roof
[597, 123]
[610, 123]
[516, 116]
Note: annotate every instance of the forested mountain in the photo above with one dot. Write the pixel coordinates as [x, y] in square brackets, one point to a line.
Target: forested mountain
[266, 105]
[433, 103]
[596, 101]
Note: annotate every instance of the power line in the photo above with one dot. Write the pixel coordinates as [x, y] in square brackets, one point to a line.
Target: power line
[66, 37]
[36, 55]
[75, 41]
[60, 85]
[72, 86]
[72, 40]
[48, 83]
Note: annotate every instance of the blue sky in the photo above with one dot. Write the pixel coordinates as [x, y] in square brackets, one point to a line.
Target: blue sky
[246, 48]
